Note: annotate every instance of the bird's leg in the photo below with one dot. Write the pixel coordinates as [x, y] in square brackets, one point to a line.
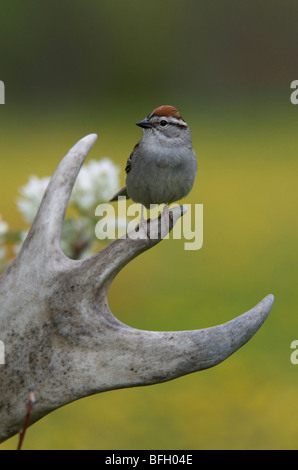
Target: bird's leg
[142, 213]
[143, 227]
[168, 213]
[168, 219]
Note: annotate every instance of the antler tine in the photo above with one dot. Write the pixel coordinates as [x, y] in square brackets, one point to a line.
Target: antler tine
[165, 355]
[47, 225]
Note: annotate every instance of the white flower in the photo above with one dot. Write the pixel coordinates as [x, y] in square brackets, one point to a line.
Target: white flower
[3, 226]
[96, 182]
[32, 194]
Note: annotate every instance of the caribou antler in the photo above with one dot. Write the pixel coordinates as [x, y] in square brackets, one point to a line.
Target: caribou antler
[61, 339]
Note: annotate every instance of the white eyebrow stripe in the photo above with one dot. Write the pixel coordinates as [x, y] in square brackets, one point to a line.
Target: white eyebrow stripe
[176, 121]
[170, 119]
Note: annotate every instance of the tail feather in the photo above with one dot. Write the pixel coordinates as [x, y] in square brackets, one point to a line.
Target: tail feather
[121, 192]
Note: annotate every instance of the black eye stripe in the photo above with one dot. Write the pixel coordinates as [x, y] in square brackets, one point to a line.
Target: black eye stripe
[169, 123]
[177, 123]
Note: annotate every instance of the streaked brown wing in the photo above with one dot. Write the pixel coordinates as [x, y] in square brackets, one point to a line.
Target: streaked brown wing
[130, 158]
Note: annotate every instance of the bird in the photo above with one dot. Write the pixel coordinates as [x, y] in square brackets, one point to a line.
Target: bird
[162, 167]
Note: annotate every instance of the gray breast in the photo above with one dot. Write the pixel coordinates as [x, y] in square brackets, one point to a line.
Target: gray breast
[162, 177]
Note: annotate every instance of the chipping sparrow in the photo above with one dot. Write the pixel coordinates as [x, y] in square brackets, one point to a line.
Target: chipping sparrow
[162, 166]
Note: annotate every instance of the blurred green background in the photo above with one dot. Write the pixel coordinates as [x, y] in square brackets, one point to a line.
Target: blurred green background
[71, 68]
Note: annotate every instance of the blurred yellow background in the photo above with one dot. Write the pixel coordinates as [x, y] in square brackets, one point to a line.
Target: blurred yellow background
[71, 68]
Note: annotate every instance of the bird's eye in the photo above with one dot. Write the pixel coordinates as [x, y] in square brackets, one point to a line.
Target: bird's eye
[163, 123]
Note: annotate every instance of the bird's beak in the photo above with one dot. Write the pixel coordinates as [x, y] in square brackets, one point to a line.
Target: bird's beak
[145, 123]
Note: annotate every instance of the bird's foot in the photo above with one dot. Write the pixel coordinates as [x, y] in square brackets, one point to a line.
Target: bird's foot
[168, 215]
[142, 228]
[164, 223]
[158, 228]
